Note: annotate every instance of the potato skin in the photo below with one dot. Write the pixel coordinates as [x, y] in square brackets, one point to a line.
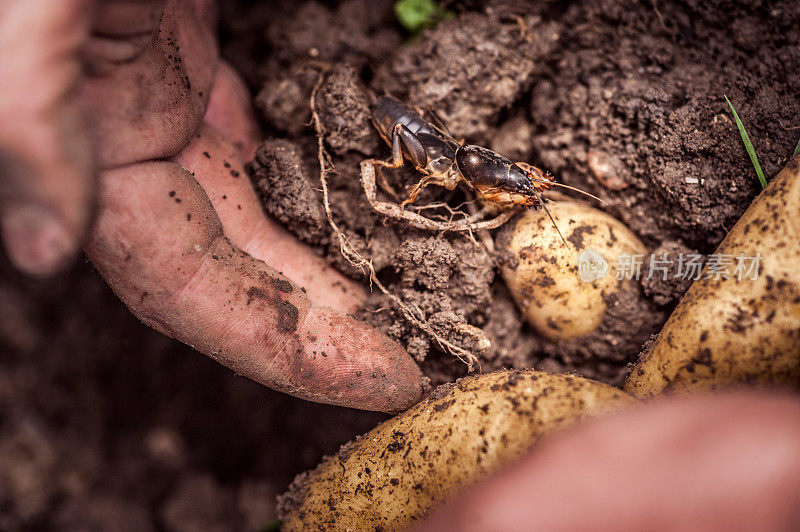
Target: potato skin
[407, 465]
[544, 277]
[725, 332]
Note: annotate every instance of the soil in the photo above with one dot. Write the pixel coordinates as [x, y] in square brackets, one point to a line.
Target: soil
[623, 100]
[107, 425]
[104, 423]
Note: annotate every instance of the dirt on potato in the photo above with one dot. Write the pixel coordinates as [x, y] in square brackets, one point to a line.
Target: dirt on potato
[105, 423]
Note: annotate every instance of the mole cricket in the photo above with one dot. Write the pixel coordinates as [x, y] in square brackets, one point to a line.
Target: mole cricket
[445, 162]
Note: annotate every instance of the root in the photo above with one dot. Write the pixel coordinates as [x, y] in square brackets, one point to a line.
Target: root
[483, 234]
[392, 210]
[414, 315]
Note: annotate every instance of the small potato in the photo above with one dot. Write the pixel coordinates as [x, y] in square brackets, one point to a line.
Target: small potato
[564, 289]
[406, 466]
[728, 331]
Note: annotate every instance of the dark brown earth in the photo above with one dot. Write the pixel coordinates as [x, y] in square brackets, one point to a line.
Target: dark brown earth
[105, 423]
[623, 100]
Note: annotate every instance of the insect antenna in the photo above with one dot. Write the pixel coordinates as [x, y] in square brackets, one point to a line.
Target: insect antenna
[542, 200]
[553, 184]
[548, 182]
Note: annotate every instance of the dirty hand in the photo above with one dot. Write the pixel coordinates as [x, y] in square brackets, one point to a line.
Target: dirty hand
[702, 463]
[153, 131]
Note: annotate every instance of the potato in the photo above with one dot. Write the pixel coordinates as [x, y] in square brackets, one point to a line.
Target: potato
[561, 299]
[728, 332]
[409, 464]
[699, 463]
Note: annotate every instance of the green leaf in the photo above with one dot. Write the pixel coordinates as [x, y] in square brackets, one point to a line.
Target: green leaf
[797, 149]
[416, 15]
[749, 145]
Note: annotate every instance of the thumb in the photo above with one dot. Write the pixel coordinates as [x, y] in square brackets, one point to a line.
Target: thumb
[47, 178]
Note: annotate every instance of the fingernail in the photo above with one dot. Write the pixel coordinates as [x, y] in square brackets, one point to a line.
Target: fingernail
[36, 239]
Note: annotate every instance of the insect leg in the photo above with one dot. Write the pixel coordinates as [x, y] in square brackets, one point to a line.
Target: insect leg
[402, 136]
[392, 210]
[424, 182]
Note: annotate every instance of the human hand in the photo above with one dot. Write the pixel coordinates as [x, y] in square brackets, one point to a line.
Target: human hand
[704, 463]
[155, 131]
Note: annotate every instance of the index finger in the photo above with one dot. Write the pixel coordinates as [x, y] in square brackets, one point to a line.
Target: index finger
[160, 246]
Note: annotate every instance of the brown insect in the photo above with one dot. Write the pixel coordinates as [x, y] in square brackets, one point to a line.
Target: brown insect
[445, 162]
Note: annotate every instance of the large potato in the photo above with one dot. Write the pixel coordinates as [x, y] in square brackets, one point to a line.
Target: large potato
[409, 464]
[698, 463]
[727, 331]
[560, 299]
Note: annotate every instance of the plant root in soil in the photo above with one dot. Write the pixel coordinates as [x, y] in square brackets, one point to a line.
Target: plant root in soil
[413, 315]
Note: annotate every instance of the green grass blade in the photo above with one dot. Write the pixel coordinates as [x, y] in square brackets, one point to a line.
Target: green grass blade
[748, 145]
[416, 15]
[797, 149]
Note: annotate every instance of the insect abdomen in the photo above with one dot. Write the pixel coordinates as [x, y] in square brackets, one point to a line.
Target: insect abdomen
[388, 111]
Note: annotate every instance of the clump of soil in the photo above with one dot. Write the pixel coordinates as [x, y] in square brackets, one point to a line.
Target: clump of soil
[472, 69]
[623, 100]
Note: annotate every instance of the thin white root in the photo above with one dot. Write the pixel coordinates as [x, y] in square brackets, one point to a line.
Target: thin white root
[483, 234]
[392, 210]
[414, 316]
